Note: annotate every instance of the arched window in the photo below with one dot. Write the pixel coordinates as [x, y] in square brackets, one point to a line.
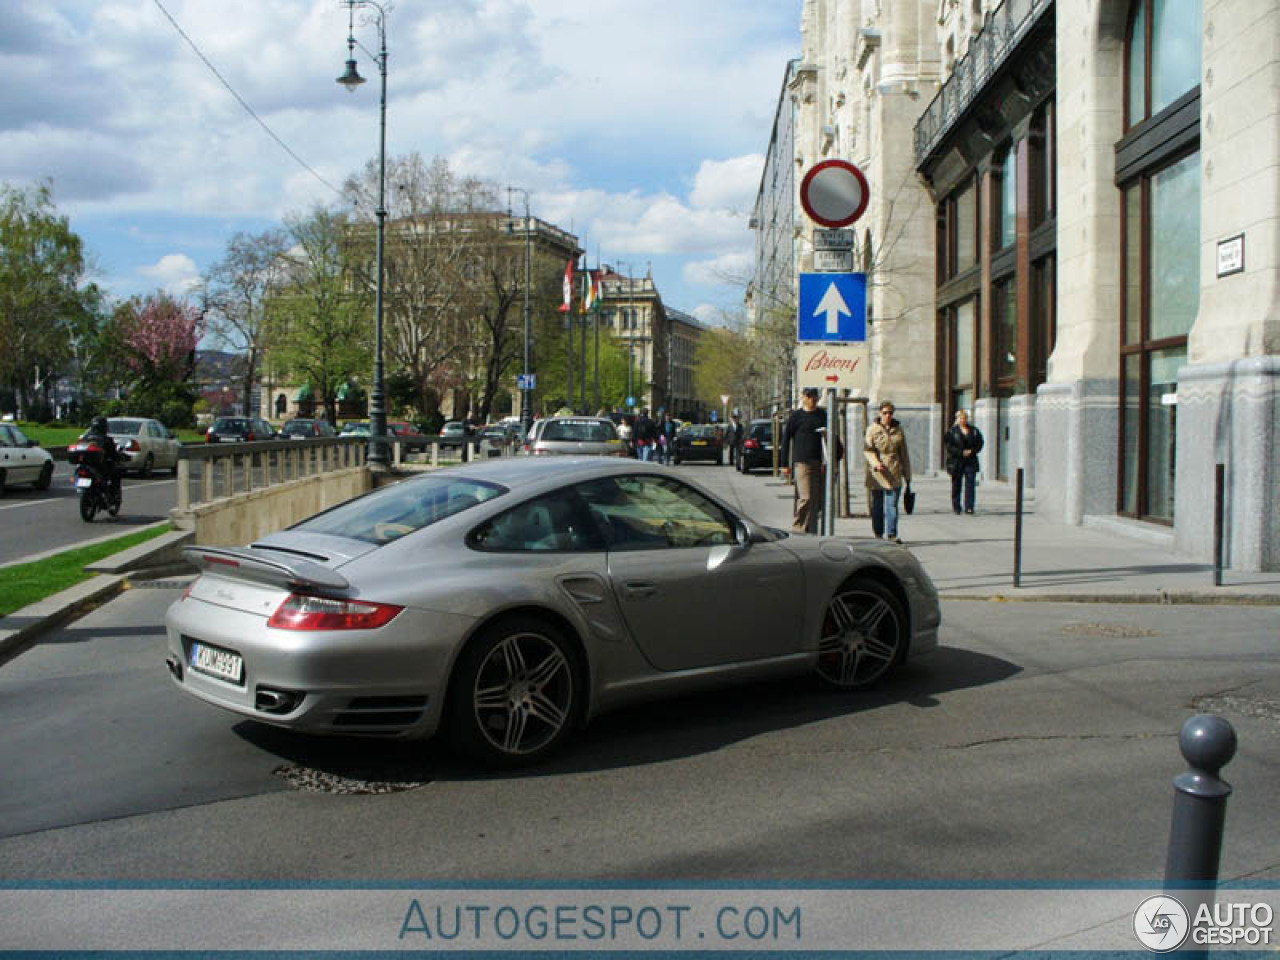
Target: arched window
[1162, 55]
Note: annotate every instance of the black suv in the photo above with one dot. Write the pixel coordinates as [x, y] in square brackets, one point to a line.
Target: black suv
[239, 430]
[757, 446]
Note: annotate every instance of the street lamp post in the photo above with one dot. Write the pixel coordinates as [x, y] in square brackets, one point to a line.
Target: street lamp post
[351, 79]
[628, 317]
[526, 395]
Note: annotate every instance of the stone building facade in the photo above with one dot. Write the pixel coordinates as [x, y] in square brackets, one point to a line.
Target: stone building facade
[1083, 243]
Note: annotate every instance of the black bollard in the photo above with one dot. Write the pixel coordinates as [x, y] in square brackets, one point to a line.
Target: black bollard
[1200, 803]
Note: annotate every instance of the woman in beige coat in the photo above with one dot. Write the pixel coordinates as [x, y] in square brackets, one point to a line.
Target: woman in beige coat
[888, 469]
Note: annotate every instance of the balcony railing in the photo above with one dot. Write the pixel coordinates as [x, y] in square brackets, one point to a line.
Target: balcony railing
[1001, 33]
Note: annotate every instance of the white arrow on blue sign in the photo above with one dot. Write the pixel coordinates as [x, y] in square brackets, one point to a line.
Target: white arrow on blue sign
[833, 307]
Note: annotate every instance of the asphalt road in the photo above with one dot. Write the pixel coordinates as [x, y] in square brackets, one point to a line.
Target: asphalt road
[35, 522]
[1038, 745]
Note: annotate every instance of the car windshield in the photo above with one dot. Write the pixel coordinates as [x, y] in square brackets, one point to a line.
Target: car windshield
[128, 428]
[394, 511]
[579, 431]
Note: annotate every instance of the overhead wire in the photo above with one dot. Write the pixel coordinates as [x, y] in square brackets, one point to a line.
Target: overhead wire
[239, 99]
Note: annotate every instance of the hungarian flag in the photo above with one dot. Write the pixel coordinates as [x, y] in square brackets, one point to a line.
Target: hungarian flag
[568, 289]
[590, 290]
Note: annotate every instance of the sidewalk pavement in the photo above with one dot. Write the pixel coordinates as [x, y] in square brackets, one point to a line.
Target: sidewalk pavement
[972, 557]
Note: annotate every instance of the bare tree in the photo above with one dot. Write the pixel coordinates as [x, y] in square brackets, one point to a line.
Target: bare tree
[429, 261]
[234, 295]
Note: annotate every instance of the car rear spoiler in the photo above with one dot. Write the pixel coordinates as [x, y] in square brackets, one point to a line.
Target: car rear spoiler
[245, 563]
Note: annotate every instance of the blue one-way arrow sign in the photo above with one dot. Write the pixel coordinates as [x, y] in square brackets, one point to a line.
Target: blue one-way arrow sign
[833, 307]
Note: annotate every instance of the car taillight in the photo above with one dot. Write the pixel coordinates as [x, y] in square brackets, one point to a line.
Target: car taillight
[208, 436]
[249, 436]
[131, 447]
[303, 612]
[752, 444]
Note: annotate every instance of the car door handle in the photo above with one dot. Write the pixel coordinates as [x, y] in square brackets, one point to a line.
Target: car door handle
[639, 589]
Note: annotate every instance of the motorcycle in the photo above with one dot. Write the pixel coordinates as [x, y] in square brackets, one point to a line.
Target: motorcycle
[97, 491]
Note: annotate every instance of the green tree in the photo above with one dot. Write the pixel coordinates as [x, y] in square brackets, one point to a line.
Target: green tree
[44, 293]
[320, 323]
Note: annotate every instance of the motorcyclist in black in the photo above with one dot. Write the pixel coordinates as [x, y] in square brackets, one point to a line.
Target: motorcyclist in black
[97, 432]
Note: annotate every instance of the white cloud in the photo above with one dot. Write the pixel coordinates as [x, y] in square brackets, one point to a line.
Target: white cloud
[729, 269]
[728, 184]
[710, 315]
[175, 273]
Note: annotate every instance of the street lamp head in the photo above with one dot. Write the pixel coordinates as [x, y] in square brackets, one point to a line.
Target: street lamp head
[351, 77]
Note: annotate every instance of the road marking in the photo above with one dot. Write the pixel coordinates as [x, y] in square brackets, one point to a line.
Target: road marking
[41, 503]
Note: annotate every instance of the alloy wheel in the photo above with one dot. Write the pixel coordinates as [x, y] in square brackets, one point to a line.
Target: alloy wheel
[523, 695]
[862, 637]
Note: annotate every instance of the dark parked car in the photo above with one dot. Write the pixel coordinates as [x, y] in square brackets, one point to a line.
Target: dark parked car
[308, 429]
[411, 438]
[699, 442]
[757, 446]
[239, 430]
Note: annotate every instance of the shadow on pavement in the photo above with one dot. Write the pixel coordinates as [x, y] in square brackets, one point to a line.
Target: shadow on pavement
[656, 732]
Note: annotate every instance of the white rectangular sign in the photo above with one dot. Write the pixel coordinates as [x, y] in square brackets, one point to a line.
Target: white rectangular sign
[833, 261]
[1231, 255]
[832, 239]
[843, 366]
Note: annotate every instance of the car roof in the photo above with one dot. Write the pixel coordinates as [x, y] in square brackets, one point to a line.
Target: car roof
[522, 472]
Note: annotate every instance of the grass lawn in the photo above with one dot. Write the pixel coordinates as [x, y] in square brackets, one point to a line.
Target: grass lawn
[25, 583]
[62, 436]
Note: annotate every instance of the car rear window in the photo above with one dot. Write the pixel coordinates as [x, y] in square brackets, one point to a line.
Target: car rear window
[702, 432]
[298, 426]
[579, 431]
[392, 512]
[762, 431]
[230, 425]
[126, 428]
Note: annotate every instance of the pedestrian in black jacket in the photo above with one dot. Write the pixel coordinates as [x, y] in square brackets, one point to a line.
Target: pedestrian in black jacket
[802, 441]
[963, 443]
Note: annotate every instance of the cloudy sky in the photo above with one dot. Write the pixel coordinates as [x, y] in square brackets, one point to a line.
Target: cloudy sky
[640, 125]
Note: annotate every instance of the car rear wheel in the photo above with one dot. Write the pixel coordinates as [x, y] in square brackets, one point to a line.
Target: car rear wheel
[515, 693]
[2, 477]
[148, 464]
[864, 636]
[46, 477]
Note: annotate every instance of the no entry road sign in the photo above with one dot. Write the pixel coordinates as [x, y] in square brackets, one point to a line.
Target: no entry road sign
[834, 193]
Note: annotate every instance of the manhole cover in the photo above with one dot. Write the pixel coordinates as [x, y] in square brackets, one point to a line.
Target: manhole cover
[311, 780]
[1111, 630]
[1235, 705]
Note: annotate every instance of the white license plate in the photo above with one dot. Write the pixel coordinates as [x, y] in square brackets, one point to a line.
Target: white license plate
[217, 662]
[699, 443]
[84, 482]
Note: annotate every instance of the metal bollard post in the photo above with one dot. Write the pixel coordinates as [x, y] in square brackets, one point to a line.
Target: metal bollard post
[1219, 487]
[1208, 743]
[1017, 531]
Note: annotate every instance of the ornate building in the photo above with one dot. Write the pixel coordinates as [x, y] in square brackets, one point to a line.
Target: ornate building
[1078, 237]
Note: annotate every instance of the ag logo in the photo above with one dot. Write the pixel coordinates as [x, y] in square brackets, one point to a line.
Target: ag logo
[1161, 923]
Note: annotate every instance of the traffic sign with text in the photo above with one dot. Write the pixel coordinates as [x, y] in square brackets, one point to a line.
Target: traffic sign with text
[832, 239]
[833, 308]
[833, 261]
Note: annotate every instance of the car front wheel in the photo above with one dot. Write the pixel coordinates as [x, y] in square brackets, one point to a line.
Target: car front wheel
[864, 636]
[515, 694]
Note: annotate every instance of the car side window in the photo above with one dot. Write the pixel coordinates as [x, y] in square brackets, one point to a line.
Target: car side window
[555, 522]
[655, 513]
[6, 437]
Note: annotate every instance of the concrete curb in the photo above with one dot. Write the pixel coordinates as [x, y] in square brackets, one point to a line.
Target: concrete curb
[159, 557]
[1160, 599]
[20, 629]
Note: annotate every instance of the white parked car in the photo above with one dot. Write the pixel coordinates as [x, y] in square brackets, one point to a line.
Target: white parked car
[23, 460]
[148, 444]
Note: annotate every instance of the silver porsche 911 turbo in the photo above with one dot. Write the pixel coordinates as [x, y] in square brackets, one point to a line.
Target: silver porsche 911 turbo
[506, 602]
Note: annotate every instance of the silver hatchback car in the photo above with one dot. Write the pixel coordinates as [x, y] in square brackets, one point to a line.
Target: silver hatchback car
[508, 601]
[593, 436]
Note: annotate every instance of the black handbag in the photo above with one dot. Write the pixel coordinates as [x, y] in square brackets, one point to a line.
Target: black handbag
[909, 500]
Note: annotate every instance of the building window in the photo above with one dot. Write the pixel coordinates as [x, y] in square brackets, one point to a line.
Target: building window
[961, 353]
[1159, 256]
[1008, 199]
[1044, 202]
[1162, 54]
[966, 221]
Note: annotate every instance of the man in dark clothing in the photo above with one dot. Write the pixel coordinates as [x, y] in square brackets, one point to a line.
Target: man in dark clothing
[802, 440]
[111, 454]
[645, 436]
[733, 437]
